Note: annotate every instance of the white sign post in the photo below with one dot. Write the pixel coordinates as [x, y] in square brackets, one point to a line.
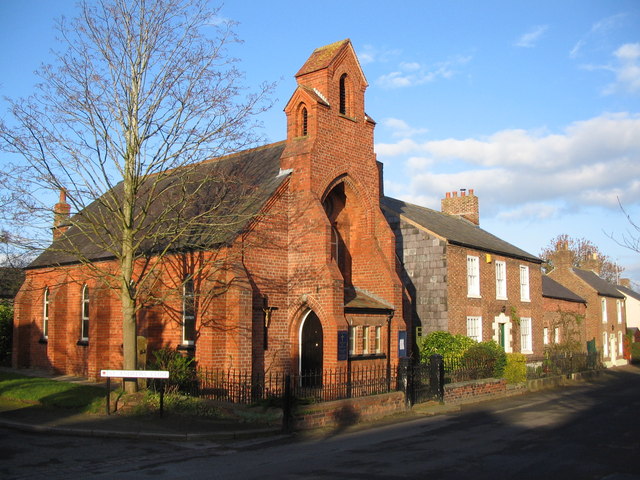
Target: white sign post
[109, 374]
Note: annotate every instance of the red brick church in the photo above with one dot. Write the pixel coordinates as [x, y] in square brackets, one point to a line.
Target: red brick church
[305, 280]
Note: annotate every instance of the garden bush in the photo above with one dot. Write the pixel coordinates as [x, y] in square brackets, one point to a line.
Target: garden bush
[6, 333]
[635, 352]
[182, 369]
[450, 346]
[515, 370]
[488, 354]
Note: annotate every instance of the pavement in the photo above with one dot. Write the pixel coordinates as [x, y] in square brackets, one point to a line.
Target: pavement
[169, 426]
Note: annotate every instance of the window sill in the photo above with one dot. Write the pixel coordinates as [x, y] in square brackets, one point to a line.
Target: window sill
[43, 340]
[474, 296]
[186, 348]
[502, 298]
[527, 352]
[83, 343]
[353, 119]
[525, 300]
[368, 356]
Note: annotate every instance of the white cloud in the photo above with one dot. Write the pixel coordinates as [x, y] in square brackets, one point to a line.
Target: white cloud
[371, 54]
[530, 173]
[400, 128]
[529, 39]
[598, 29]
[626, 69]
[410, 74]
[535, 210]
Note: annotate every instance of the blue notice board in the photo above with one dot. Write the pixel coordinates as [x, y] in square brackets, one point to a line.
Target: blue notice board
[343, 345]
[402, 344]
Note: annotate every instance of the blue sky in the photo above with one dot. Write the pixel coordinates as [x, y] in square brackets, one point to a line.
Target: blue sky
[533, 104]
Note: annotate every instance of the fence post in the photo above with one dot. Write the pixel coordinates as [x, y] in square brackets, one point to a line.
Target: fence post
[436, 376]
[286, 404]
[405, 380]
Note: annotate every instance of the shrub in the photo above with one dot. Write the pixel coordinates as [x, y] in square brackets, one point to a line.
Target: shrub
[182, 369]
[445, 344]
[6, 333]
[635, 352]
[489, 355]
[515, 370]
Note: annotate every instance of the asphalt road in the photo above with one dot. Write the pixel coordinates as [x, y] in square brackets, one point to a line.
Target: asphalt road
[589, 431]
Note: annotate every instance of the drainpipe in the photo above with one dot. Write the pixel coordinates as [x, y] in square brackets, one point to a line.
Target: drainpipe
[389, 317]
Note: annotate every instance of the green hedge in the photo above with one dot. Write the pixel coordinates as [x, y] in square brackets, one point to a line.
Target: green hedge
[516, 368]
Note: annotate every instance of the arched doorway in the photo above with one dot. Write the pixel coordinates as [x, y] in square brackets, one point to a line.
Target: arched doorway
[311, 350]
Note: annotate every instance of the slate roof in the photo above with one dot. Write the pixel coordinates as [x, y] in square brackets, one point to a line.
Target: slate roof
[216, 210]
[322, 57]
[628, 292]
[552, 289]
[456, 230]
[600, 285]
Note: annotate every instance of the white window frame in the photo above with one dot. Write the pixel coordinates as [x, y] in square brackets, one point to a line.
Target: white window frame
[46, 305]
[378, 344]
[353, 334]
[473, 276]
[545, 336]
[605, 344]
[619, 310]
[526, 342]
[365, 340]
[474, 328]
[603, 307]
[188, 312]
[84, 325]
[501, 280]
[620, 344]
[525, 294]
[556, 335]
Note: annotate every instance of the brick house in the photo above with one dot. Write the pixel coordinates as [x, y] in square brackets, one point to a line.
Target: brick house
[464, 280]
[605, 321]
[304, 277]
[564, 315]
[632, 307]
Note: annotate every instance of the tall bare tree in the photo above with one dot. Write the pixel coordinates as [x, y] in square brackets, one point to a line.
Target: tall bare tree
[583, 251]
[138, 89]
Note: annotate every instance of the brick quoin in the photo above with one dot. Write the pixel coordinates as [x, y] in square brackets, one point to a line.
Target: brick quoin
[285, 263]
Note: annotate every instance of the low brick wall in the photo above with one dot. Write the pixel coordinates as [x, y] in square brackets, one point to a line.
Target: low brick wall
[343, 413]
[475, 391]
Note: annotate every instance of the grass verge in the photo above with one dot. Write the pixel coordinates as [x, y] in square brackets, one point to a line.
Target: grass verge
[51, 393]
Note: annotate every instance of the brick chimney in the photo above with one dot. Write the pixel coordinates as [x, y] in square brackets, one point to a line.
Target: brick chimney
[465, 205]
[625, 282]
[562, 258]
[61, 212]
[592, 262]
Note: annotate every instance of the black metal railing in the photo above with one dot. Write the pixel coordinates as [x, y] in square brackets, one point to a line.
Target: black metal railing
[421, 382]
[464, 369]
[565, 364]
[331, 384]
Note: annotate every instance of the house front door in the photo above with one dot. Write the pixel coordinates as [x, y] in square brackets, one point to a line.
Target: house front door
[501, 336]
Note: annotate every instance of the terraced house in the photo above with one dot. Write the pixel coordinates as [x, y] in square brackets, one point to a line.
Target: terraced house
[605, 317]
[463, 279]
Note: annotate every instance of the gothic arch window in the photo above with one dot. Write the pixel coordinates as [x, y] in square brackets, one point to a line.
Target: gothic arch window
[84, 326]
[45, 313]
[343, 94]
[304, 121]
[188, 313]
[335, 244]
